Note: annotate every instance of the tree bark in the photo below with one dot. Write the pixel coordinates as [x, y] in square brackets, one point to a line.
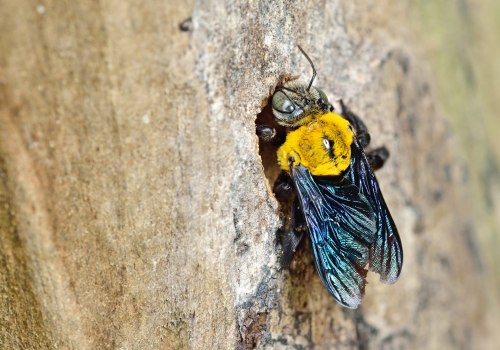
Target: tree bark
[137, 213]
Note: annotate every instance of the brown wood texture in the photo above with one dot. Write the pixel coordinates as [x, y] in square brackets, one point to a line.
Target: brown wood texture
[135, 211]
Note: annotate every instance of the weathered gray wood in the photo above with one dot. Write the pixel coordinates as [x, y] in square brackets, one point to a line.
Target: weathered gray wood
[134, 209]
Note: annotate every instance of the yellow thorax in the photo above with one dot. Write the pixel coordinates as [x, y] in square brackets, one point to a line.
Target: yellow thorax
[323, 146]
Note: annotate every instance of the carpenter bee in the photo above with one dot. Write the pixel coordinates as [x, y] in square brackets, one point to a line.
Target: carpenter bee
[337, 196]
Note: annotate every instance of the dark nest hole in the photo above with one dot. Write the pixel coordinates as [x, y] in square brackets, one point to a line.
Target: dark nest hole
[301, 267]
[267, 150]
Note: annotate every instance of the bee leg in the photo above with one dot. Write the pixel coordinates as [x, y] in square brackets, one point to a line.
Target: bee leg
[283, 187]
[293, 237]
[377, 157]
[269, 134]
[294, 232]
[265, 133]
[361, 130]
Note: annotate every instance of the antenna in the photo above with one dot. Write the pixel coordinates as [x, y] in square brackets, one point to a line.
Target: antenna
[312, 66]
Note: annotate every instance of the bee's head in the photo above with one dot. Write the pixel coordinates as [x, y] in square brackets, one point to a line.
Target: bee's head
[294, 103]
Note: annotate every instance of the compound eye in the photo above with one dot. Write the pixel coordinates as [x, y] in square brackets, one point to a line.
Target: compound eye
[322, 95]
[282, 103]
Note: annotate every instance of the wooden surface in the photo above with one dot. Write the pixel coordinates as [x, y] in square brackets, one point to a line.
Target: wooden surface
[134, 209]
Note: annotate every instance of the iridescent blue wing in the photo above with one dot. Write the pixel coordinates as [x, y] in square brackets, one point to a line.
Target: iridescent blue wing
[386, 252]
[342, 227]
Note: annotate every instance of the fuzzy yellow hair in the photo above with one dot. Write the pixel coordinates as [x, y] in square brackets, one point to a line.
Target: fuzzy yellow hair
[323, 146]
